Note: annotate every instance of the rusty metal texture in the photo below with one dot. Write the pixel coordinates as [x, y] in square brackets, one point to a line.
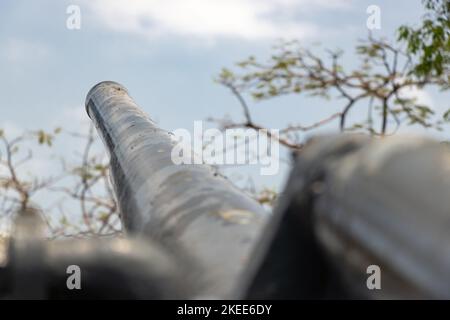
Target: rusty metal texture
[190, 209]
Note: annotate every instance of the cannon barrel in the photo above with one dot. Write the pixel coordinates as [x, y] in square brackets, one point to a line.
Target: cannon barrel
[189, 208]
[361, 217]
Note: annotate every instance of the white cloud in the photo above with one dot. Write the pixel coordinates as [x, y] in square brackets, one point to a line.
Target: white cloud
[247, 19]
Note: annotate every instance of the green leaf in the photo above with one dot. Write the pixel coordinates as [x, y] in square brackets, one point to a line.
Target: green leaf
[446, 115]
[41, 137]
[99, 167]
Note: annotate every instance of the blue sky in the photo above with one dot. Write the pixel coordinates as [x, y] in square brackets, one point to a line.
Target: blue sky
[166, 52]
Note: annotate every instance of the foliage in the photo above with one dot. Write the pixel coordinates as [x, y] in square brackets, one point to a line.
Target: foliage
[430, 42]
[420, 58]
[85, 183]
[381, 82]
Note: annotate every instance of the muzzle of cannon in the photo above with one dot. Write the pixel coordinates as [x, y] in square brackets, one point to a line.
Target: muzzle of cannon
[189, 208]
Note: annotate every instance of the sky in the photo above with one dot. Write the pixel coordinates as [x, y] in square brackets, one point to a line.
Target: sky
[167, 53]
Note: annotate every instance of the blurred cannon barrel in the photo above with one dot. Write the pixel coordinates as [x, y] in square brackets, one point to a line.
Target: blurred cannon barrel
[190, 209]
[363, 218]
[109, 268]
[360, 217]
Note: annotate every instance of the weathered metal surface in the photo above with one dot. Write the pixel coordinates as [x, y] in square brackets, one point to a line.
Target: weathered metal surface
[189, 208]
[361, 202]
[351, 202]
[109, 268]
[129, 268]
